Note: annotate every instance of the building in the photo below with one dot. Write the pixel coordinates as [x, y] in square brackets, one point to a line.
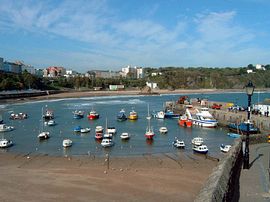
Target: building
[249, 71]
[103, 74]
[116, 87]
[70, 73]
[12, 67]
[132, 72]
[260, 67]
[152, 85]
[140, 72]
[54, 71]
[30, 69]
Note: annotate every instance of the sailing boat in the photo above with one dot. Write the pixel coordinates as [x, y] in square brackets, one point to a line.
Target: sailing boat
[149, 134]
[42, 134]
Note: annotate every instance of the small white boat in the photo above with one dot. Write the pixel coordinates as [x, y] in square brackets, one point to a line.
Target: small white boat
[200, 149]
[225, 148]
[163, 129]
[85, 130]
[160, 115]
[4, 143]
[51, 123]
[107, 135]
[44, 135]
[111, 130]
[99, 129]
[67, 143]
[178, 143]
[125, 136]
[5, 128]
[106, 142]
[197, 141]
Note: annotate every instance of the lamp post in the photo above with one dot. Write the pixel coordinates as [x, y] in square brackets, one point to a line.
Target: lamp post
[249, 90]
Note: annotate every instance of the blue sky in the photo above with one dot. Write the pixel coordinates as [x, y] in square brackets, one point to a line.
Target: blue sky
[110, 34]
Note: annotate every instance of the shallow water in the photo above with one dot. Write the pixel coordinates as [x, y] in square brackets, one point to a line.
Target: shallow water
[25, 134]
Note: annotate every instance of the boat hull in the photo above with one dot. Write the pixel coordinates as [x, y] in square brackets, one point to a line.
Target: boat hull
[185, 123]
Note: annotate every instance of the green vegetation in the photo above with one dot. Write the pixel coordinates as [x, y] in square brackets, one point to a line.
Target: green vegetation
[166, 77]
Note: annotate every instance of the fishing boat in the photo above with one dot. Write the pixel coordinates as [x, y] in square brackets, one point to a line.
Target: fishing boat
[77, 114]
[106, 142]
[170, 114]
[184, 121]
[242, 128]
[18, 116]
[133, 115]
[201, 117]
[125, 136]
[178, 143]
[5, 128]
[51, 123]
[234, 135]
[121, 116]
[225, 148]
[77, 129]
[149, 134]
[49, 114]
[163, 129]
[85, 130]
[197, 141]
[93, 115]
[67, 143]
[202, 149]
[4, 143]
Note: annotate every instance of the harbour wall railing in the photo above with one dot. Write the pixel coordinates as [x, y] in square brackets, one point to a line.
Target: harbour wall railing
[25, 94]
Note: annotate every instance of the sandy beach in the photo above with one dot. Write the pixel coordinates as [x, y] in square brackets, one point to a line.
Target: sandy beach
[164, 177]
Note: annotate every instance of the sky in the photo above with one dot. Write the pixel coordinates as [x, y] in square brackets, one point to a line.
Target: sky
[110, 34]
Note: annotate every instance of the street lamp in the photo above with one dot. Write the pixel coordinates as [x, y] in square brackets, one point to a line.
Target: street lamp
[249, 90]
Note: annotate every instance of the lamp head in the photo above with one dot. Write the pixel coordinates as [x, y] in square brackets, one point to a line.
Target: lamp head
[249, 88]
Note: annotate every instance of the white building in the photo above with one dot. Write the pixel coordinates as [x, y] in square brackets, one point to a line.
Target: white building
[260, 67]
[70, 73]
[249, 71]
[152, 85]
[132, 72]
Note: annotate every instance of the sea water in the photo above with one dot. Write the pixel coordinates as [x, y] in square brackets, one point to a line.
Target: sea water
[25, 134]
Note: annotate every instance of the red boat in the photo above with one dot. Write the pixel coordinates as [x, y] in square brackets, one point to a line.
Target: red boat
[98, 136]
[184, 121]
[93, 115]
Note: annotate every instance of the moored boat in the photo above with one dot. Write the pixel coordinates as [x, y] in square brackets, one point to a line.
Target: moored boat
[99, 129]
[51, 123]
[67, 143]
[77, 114]
[125, 136]
[197, 141]
[111, 130]
[234, 135]
[77, 129]
[4, 143]
[225, 148]
[18, 116]
[200, 149]
[85, 130]
[178, 143]
[201, 117]
[171, 115]
[133, 115]
[5, 128]
[242, 128]
[49, 114]
[44, 135]
[149, 134]
[163, 129]
[93, 115]
[121, 116]
[184, 121]
[106, 142]
[159, 115]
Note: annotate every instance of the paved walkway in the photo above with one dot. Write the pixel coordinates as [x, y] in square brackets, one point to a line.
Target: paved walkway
[255, 182]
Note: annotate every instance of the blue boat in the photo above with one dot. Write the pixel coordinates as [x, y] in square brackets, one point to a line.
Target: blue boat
[121, 116]
[242, 128]
[234, 135]
[77, 129]
[171, 115]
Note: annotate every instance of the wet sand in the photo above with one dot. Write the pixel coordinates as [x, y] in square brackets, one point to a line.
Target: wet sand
[165, 177]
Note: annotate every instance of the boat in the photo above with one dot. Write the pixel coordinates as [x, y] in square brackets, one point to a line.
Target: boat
[99, 129]
[197, 141]
[178, 143]
[242, 128]
[121, 116]
[159, 115]
[106, 142]
[85, 130]
[200, 149]
[225, 148]
[44, 135]
[125, 136]
[234, 135]
[133, 115]
[170, 114]
[49, 114]
[18, 116]
[98, 136]
[93, 115]
[77, 129]
[77, 114]
[4, 143]
[149, 134]
[163, 129]
[184, 121]
[5, 128]
[51, 123]
[201, 117]
[67, 143]
[111, 130]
